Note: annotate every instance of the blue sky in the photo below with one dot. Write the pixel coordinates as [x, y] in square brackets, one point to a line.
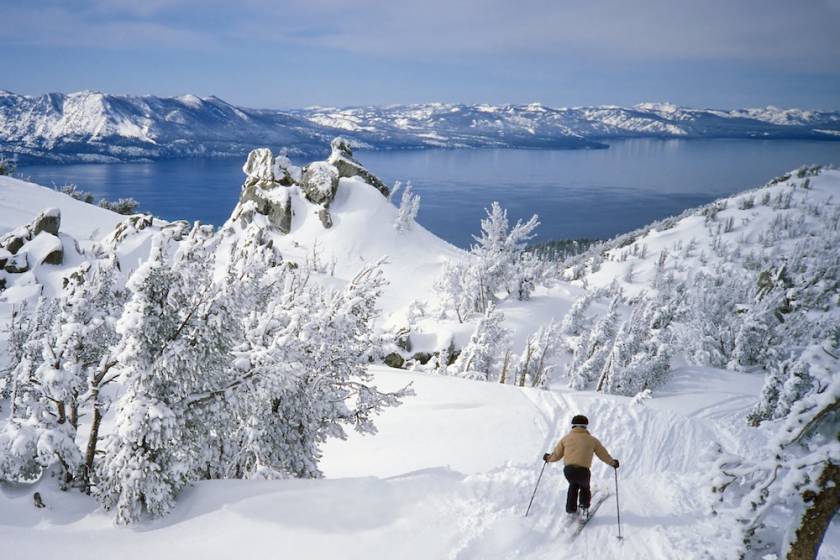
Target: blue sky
[281, 54]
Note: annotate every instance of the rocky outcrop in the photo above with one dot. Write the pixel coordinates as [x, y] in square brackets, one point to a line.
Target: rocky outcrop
[33, 244]
[341, 157]
[271, 180]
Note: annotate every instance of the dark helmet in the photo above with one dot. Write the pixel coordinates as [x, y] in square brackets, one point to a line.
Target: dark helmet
[580, 420]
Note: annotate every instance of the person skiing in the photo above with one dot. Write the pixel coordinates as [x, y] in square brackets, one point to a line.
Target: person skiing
[576, 449]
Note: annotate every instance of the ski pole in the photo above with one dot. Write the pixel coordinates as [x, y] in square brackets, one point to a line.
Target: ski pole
[617, 509]
[535, 488]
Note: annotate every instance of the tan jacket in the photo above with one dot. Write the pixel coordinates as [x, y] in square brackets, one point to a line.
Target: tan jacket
[577, 448]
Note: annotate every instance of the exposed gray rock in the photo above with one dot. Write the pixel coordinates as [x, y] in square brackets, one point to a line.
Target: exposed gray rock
[394, 360]
[48, 220]
[325, 217]
[54, 257]
[276, 205]
[281, 216]
[422, 357]
[320, 182]
[14, 243]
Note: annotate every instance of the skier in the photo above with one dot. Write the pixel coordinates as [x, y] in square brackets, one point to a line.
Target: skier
[577, 448]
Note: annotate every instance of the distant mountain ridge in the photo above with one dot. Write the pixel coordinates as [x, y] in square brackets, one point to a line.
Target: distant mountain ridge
[93, 126]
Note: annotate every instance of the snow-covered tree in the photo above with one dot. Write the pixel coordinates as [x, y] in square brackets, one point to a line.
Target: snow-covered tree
[796, 476]
[495, 263]
[640, 355]
[481, 358]
[537, 360]
[407, 211]
[176, 339]
[593, 349]
[307, 356]
[458, 287]
[574, 321]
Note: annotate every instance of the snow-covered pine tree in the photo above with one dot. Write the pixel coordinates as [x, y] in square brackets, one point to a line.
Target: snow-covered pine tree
[308, 354]
[17, 333]
[574, 320]
[34, 437]
[709, 313]
[798, 473]
[176, 339]
[458, 287]
[481, 357]
[408, 208]
[60, 351]
[537, 360]
[496, 254]
[593, 348]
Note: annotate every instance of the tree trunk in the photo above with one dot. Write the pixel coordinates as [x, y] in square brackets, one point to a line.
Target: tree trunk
[818, 514]
[74, 414]
[528, 353]
[93, 438]
[96, 384]
[503, 377]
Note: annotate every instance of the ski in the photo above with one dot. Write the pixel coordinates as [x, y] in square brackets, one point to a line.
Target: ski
[597, 500]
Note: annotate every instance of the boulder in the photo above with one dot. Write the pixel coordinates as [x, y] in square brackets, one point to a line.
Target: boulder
[45, 248]
[394, 360]
[48, 220]
[341, 158]
[15, 240]
[320, 182]
[17, 264]
[4, 257]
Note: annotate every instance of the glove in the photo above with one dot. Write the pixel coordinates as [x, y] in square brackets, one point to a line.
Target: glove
[546, 456]
[615, 463]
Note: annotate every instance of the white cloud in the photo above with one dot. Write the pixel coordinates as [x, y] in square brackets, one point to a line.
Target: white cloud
[779, 31]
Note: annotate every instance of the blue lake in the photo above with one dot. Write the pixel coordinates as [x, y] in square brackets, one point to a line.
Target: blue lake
[577, 193]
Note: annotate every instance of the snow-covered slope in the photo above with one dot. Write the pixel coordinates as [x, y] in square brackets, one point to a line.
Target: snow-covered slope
[448, 476]
[742, 230]
[93, 126]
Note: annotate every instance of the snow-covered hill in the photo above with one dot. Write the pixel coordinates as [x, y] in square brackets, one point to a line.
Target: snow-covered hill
[450, 472]
[93, 126]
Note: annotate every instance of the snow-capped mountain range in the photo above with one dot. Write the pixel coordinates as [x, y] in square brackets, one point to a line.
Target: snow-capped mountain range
[93, 126]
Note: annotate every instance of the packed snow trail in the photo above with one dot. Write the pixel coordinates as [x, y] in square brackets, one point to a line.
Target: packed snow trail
[449, 476]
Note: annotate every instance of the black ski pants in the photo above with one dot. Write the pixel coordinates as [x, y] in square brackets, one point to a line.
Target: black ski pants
[578, 478]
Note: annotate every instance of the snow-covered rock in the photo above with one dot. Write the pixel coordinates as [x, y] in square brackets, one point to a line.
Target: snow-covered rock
[320, 182]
